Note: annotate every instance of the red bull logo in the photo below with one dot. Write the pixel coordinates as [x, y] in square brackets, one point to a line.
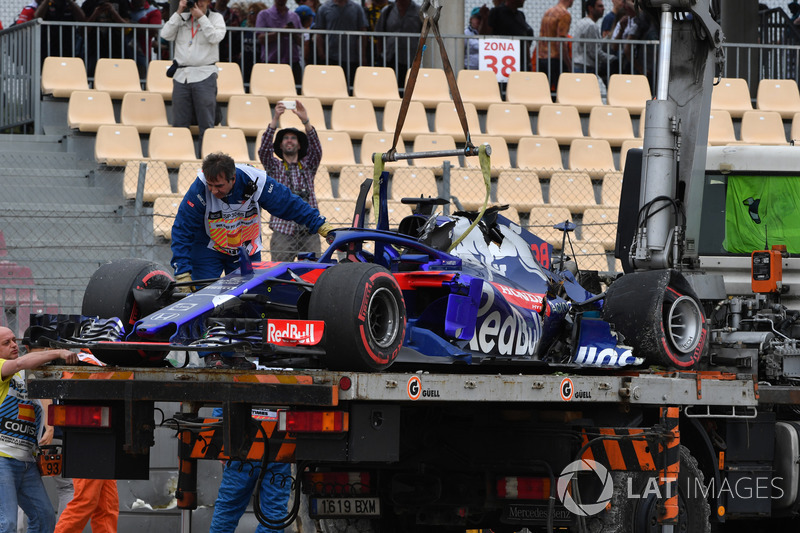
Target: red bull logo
[295, 332]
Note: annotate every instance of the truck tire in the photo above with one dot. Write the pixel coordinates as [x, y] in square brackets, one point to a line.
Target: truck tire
[110, 294]
[659, 316]
[364, 313]
[639, 514]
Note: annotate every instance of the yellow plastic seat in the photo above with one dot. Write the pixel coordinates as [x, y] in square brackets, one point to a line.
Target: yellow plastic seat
[731, 95]
[315, 114]
[229, 80]
[228, 140]
[378, 84]
[778, 95]
[795, 131]
[520, 189]
[157, 80]
[467, 186]
[173, 146]
[446, 120]
[508, 120]
[720, 128]
[380, 142]
[249, 113]
[592, 156]
[631, 91]
[156, 180]
[581, 90]
[623, 151]
[350, 179]
[590, 257]
[165, 208]
[541, 154]
[416, 121]
[531, 89]
[326, 82]
[63, 75]
[337, 150]
[610, 123]
[88, 110]
[115, 145]
[356, 116]
[414, 182]
[478, 87]
[763, 127]
[500, 157]
[542, 219]
[187, 173]
[143, 110]
[338, 211]
[432, 142]
[611, 189]
[273, 80]
[561, 122]
[116, 77]
[431, 87]
[599, 226]
[573, 190]
[322, 184]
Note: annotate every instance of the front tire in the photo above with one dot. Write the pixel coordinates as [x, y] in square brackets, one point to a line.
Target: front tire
[364, 313]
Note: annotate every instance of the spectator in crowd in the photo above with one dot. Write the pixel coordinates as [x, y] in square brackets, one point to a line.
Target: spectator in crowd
[478, 18]
[107, 41]
[611, 18]
[230, 46]
[590, 57]
[292, 159]
[313, 4]
[205, 246]
[553, 57]
[20, 482]
[508, 19]
[142, 12]
[373, 10]
[281, 47]
[342, 17]
[307, 16]
[249, 42]
[398, 52]
[197, 34]
[55, 41]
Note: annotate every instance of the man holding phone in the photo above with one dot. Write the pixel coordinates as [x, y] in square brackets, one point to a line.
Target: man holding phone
[292, 159]
[286, 47]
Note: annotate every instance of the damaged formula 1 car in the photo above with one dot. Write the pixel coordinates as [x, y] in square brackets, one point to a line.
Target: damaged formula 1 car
[441, 289]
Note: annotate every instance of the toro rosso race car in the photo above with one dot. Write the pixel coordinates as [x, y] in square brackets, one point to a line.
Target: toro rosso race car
[440, 289]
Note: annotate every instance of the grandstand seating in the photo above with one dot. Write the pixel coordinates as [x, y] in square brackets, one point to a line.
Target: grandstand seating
[561, 122]
[337, 150]
[581, 90]
[434, 142]
[590, 257]
[411, 182]
[273, 80]
[611, 189]
[720, 128]
[794, 134]
[117, 77]
[229, 80]
[500, 156]
[542, 219]
[468, 187]
[326, 82]
[541, 154]
[229, 140]
[532, 89]
[446, 120]
[592, 156]
[322, 184]
[62, 75]
[397, 211]
[164, 210]
[380, 142]
[338, 211]
[350, 179]
[156, 180]
[249, 113]
[778, 95]
[610, 123]
[519, 188]
[416, 121]
[356, 116]
[88, 110]
[378, 84]
[173, 146]
[431, 87]
[731, 95]
[763, 127]
[509, 120]
[599, 226]
[631, 91]
[572, 190]
[187, 173]
[478, 87]
[315, 114]
[623, 151]
[157, 80]
[143, 110]
[115, 145]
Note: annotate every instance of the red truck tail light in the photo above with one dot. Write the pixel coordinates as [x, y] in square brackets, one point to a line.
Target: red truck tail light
[313, 421]
[336, 483]
[89, 416]
[523, 488]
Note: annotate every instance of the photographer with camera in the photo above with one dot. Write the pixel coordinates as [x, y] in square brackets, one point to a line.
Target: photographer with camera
[197, 33]
[281, 48]
[292, 160]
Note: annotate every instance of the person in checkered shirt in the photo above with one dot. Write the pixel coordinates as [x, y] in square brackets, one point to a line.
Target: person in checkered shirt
[292, 159]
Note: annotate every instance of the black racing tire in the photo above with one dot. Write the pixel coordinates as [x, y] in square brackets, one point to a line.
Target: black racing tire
[659, 316]
[639, 514]
[110, 294]
[364, 314]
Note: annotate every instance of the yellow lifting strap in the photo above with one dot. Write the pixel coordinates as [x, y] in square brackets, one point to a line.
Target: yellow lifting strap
[486, 169]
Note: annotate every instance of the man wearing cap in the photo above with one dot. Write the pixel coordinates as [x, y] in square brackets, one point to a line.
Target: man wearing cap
[292, 160]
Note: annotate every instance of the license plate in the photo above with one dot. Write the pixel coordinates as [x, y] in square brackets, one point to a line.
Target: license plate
[345, 507]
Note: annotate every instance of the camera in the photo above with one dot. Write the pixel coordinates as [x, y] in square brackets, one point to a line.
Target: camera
[189, 4]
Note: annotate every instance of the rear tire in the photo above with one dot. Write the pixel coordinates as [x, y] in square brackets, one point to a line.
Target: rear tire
[364, 313]
[110, 294]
